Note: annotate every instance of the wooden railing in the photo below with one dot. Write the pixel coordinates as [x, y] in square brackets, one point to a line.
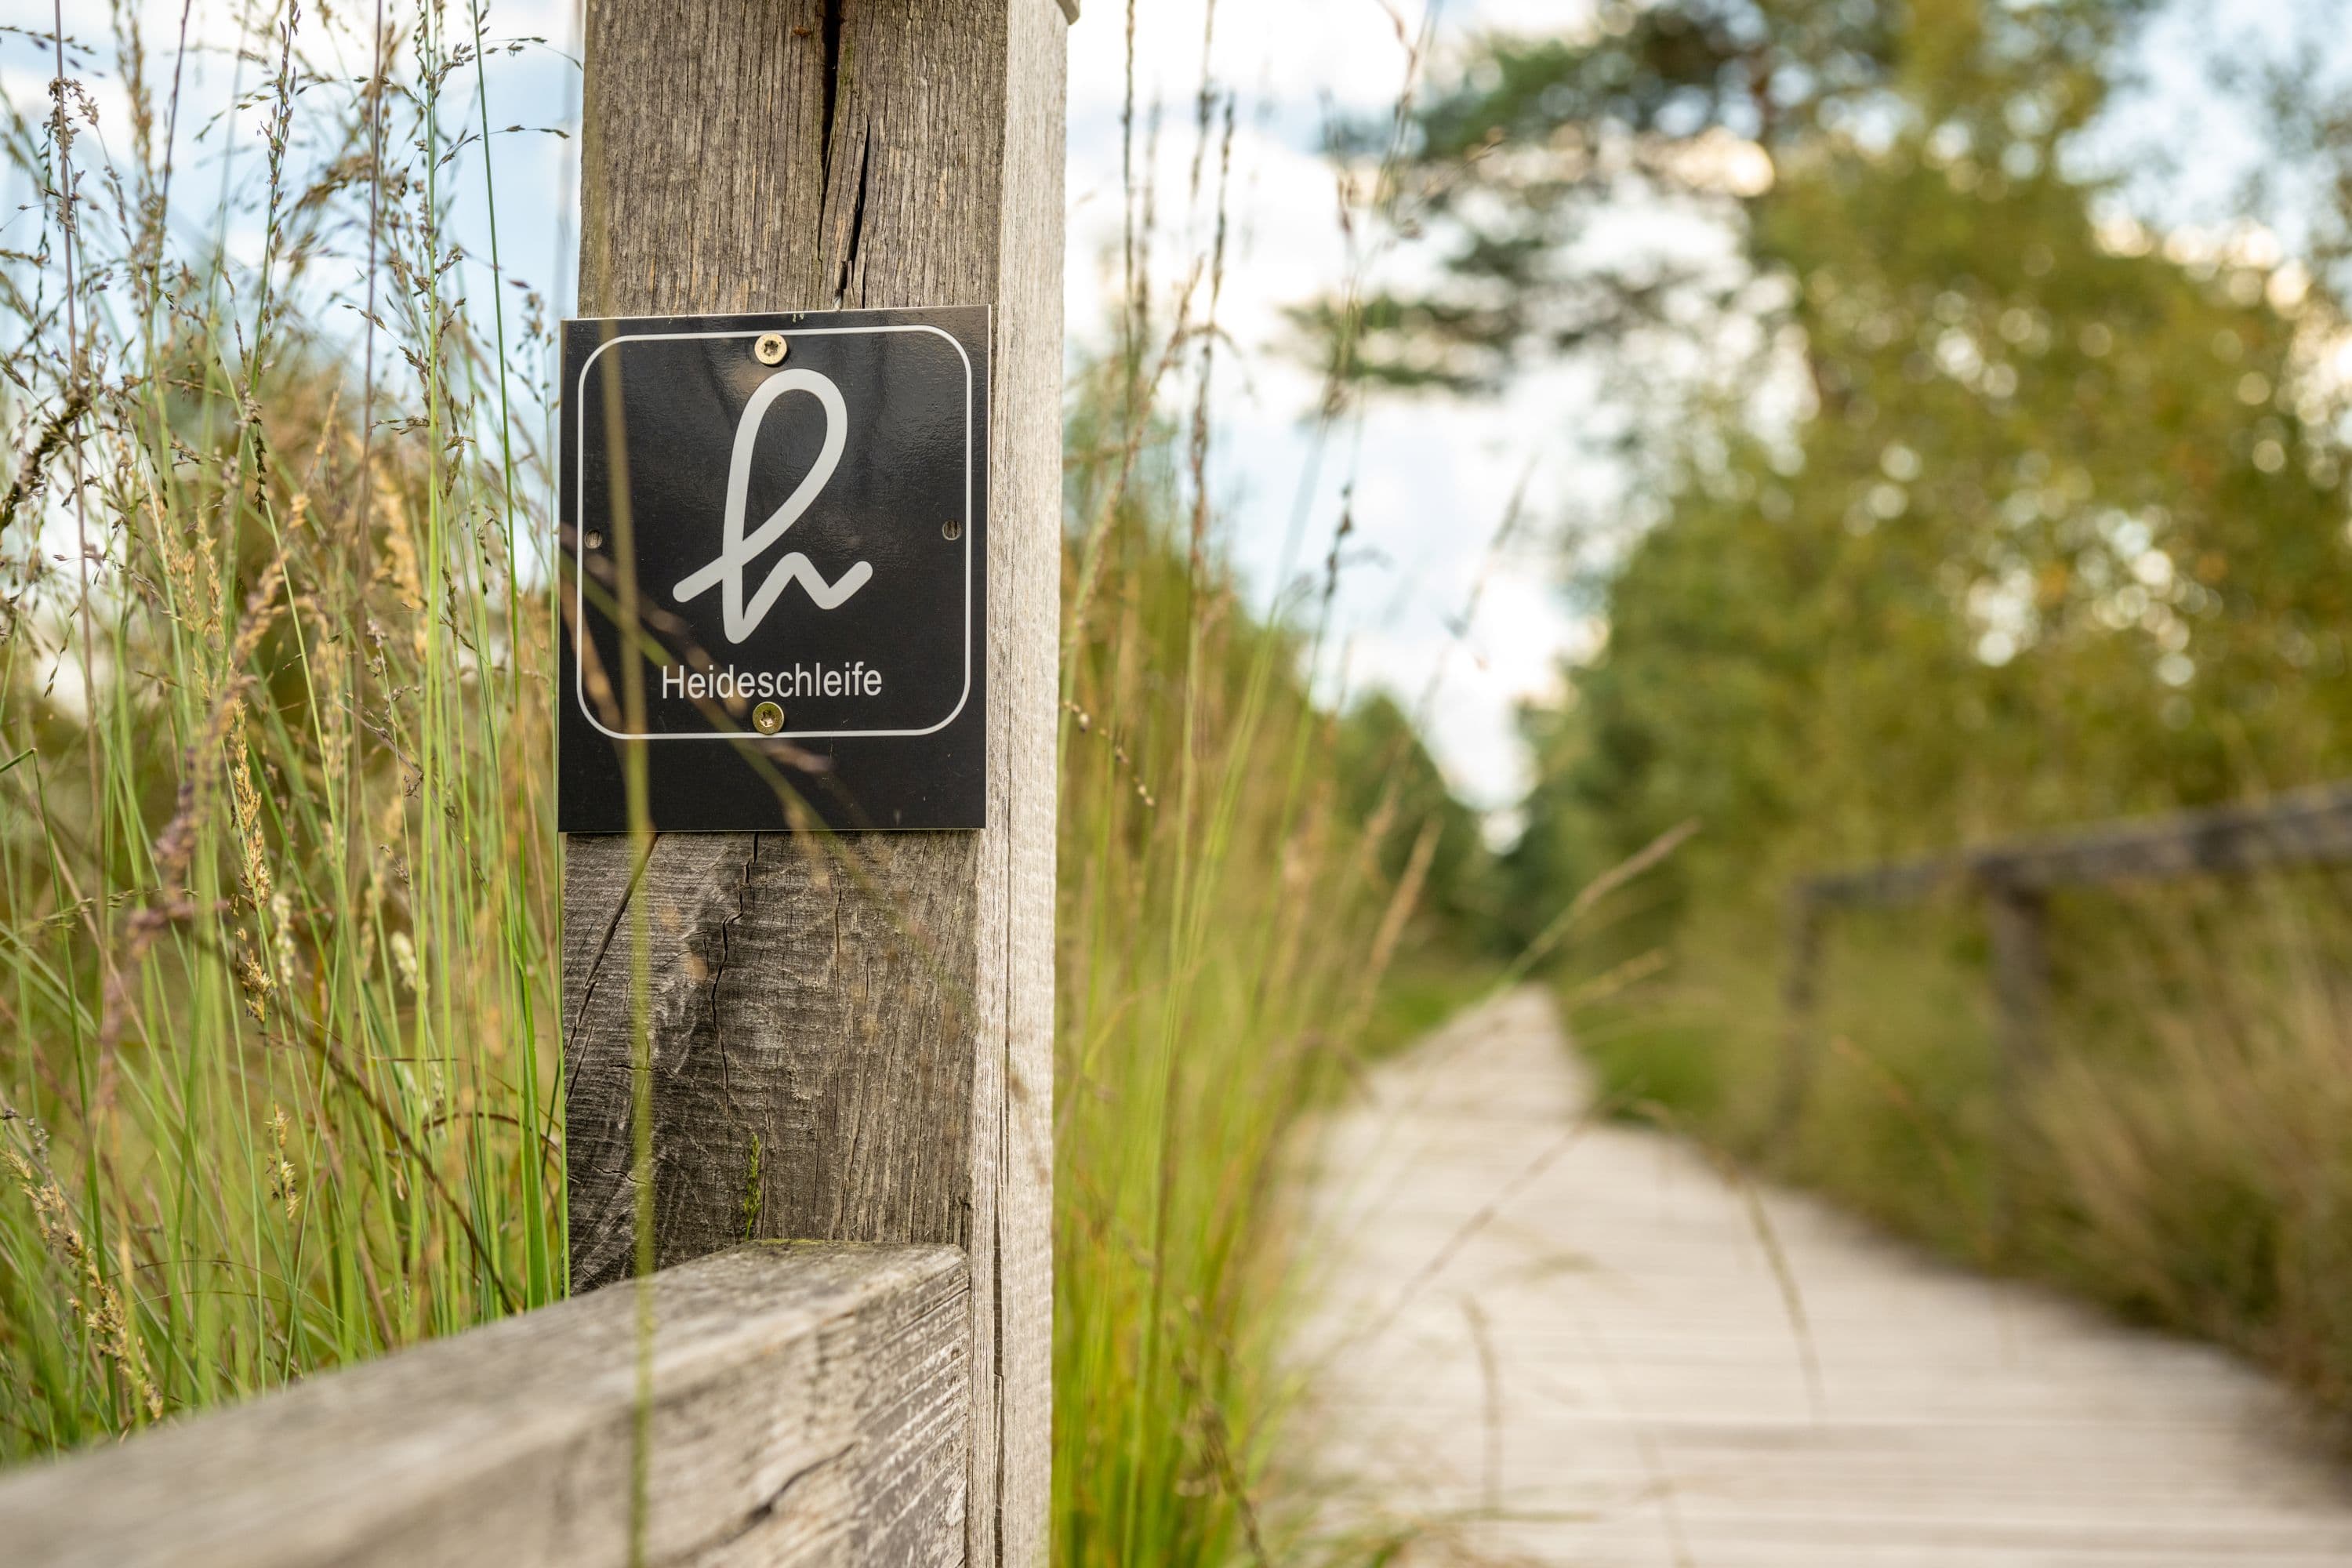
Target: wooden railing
[2014, 881]
[809, 1403]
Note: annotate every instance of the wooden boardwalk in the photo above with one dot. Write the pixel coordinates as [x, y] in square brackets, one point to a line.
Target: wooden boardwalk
[1560, 1342]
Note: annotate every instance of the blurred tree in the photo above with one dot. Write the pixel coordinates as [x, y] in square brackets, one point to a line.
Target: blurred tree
[1390, 783]
[1977, 509]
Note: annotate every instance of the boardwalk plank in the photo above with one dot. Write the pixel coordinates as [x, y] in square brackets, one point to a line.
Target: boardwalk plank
[1553, 1341]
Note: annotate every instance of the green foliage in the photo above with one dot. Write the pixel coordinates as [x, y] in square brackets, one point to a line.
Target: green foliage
[1389, 782]
[2010, 514]
[2059, 533]
[1529, 161]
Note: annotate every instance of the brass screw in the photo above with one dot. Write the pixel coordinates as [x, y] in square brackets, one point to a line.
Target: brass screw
[952, 529]
[767, 717]
[770, 349]
[596, 542]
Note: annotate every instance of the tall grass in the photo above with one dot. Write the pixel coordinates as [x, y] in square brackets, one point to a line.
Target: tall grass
[1235, 896]
[1224, 929]
[275, 838]
[277, 848]
[2190, 1159]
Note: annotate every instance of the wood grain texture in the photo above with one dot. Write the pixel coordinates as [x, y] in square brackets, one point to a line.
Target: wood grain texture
[850, 1040]
[809, 1409]
[1546, 1338]
[812, 1025]
[1013, 1152]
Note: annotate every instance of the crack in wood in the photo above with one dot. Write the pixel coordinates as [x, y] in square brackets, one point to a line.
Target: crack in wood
[829, 32]
[856, 216]
[719, 970]
[760, 1513]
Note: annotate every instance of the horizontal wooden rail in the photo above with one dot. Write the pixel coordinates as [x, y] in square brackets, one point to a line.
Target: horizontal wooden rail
[2308, 828]
[810, 1405]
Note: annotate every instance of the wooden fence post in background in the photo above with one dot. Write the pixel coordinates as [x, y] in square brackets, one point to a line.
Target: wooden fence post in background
[851, 1040]
[2305, 827]
[2017, 917]
[1799, 1004]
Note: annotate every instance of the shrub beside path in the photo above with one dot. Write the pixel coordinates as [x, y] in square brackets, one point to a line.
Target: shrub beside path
[1547, 1339]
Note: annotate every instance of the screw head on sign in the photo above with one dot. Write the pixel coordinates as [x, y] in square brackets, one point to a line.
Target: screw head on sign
[767, 717]
[952, 529]
[771, 348]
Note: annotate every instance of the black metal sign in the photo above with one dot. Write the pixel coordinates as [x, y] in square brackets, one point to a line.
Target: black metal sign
[775, 539]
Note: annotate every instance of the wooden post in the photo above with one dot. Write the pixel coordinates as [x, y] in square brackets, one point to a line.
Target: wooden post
[1799, 1003]
[2017, 917]
[851, 1040]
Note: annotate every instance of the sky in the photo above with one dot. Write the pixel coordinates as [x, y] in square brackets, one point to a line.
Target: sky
[1426, 482]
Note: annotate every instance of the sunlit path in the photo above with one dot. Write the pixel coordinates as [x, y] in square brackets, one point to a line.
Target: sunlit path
[1568, 1344]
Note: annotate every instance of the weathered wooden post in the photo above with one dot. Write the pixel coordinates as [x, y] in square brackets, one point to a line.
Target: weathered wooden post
[2016, 916]
[1807, 913]
[850, 1036]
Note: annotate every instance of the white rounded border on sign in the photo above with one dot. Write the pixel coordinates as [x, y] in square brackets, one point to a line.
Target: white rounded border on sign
[580, 541]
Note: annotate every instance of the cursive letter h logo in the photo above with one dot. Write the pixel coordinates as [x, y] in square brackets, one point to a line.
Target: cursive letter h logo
[738, 550]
